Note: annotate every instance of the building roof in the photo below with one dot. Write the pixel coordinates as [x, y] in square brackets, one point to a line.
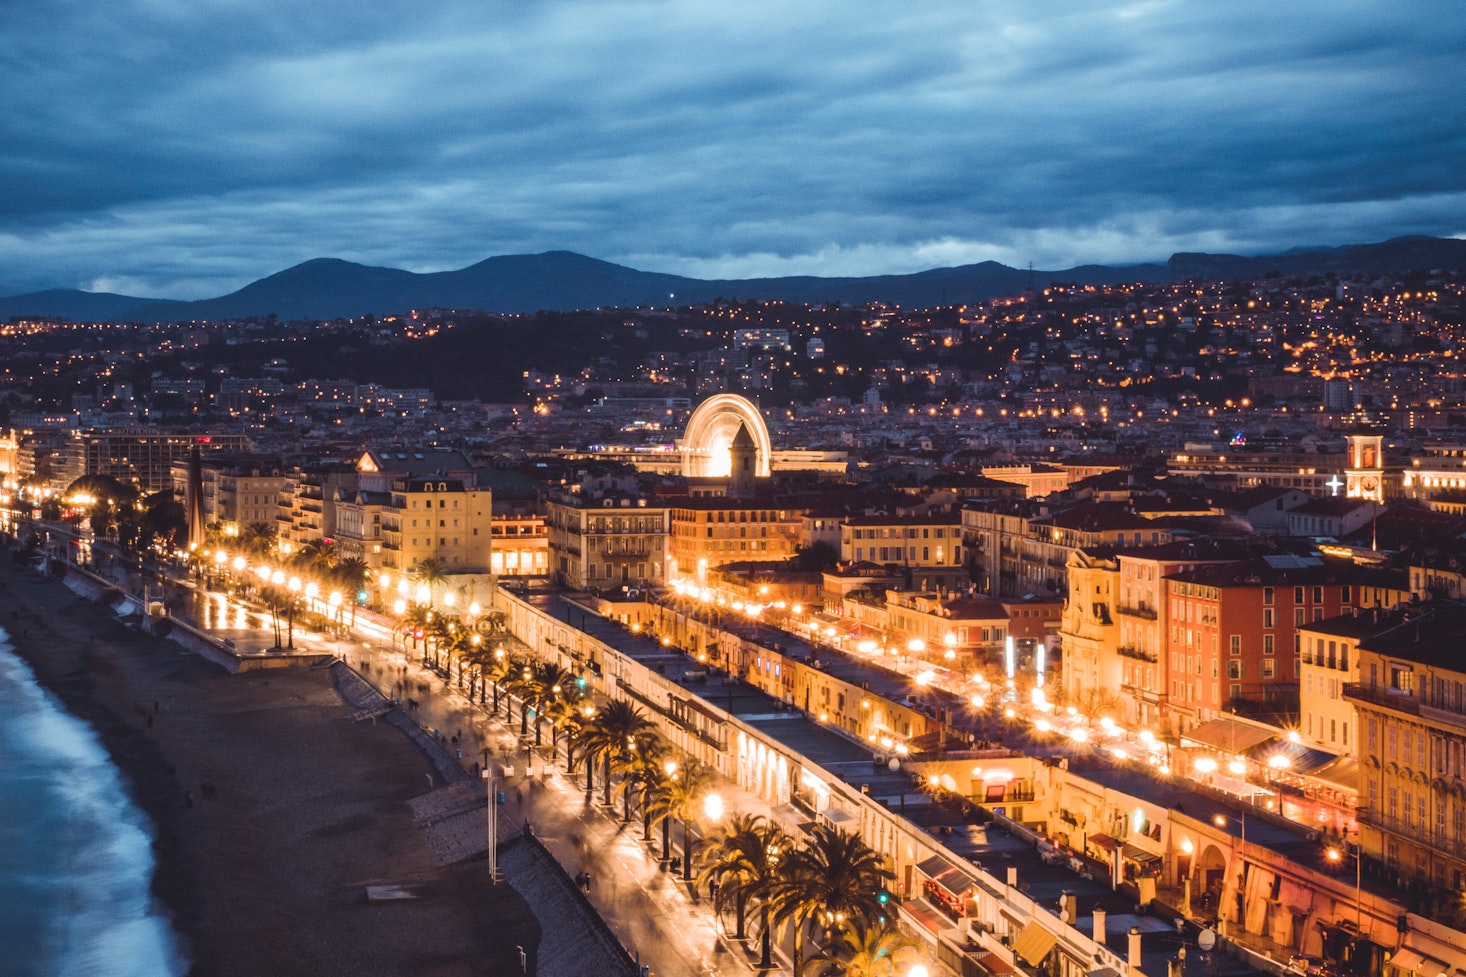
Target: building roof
[1277, 570]
[1427, 634]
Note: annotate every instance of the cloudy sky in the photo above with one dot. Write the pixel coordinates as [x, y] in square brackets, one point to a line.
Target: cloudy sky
[183, 148]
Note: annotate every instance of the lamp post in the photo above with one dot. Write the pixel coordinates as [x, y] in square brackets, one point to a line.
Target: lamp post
[294, 587]
[1220, 821]
[712, 809]
[493, 819]
[1336, 857]
[671, 767]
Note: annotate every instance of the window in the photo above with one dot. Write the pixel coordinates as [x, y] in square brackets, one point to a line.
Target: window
[1234, 669]
[1297, 617]
[1267, 644]
[1236, 644]
[1267, 595]
[1269, 669]
[1267, 617]
[1297, 595]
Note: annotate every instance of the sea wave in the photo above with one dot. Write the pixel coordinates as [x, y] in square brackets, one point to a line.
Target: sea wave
[76, 858]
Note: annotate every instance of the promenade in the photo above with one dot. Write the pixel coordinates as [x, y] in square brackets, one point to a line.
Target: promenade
[661, 921]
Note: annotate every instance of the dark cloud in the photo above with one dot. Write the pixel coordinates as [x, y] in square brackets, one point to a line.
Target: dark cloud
[174, 148]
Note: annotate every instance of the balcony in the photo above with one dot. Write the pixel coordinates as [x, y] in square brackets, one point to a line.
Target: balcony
[1417, 834]
[1139, 654]
[1144, 611]
[1394, 699]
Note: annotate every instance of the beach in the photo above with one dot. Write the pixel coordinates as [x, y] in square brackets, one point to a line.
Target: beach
[273, 808]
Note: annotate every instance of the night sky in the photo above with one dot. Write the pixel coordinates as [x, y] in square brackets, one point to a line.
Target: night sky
[182, 148]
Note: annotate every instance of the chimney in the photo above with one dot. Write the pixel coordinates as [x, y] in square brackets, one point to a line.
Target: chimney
[1134, 955]
[1012, 874]
[1069, 906]
[1099, 924]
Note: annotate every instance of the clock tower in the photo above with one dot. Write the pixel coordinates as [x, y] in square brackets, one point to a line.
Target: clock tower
[1364, 476]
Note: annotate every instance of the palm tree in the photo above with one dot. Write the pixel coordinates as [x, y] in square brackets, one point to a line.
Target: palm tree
[550, 683]
[316, 557]
[500, 667]
[429, 573]
[682, 798]
[878, 951]
[562, 714]
[743, 859]
[521, 682]
[836, 879]
[416, 619]
[438, 633]
[609, 734]
[258, 539]
[640, 767]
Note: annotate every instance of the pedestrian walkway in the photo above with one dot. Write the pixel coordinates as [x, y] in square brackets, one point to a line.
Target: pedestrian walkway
[664, 923]
[653, 915]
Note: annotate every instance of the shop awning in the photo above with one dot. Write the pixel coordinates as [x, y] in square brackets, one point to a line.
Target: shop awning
[1301, 759]
[1138, 855]
[993, 964]
[1406, 959]
[1342, 772]
[946, 875]
[1034, 943]
[1102, 841]
[1228, 735]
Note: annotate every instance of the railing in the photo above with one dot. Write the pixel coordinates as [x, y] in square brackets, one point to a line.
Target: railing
[1139, 610]
[1395, 699]
[1139, 654]
[1414, 833]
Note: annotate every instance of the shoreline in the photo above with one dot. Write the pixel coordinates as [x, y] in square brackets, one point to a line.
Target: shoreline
[271, 809]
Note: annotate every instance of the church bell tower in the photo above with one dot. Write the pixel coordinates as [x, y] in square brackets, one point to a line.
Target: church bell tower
[1364, 478]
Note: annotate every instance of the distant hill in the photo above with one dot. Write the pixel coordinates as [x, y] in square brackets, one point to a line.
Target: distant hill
[1393, 257]
[327, 288]
[68, 303]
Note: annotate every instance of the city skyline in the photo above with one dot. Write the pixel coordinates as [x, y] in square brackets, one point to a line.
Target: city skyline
[182, 153]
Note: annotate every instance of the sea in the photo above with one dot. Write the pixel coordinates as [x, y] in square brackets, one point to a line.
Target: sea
[76, 857]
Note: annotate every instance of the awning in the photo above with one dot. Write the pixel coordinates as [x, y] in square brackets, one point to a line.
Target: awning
[946, 875]
[1342, 772]
[1406, 959]
[1228, 735]
[788, 815]
[1102, 841]
[1301, 759]
[993, 964]
[836, 816]
[1034, 943]
[1138, 855]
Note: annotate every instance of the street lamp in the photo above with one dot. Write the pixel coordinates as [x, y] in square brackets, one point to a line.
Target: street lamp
[1336, 858]
[670, 766]
[1220, 821]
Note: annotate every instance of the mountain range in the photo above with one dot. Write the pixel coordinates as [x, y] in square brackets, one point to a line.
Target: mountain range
[328, 288]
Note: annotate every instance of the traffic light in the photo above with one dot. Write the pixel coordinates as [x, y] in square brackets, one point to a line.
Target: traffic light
[580, 682]
[883, 897]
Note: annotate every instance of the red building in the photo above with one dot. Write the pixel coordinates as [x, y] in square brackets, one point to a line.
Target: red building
[1233, 631]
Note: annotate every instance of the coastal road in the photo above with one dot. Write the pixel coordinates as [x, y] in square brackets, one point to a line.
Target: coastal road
[647, 908]
[651, 911]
